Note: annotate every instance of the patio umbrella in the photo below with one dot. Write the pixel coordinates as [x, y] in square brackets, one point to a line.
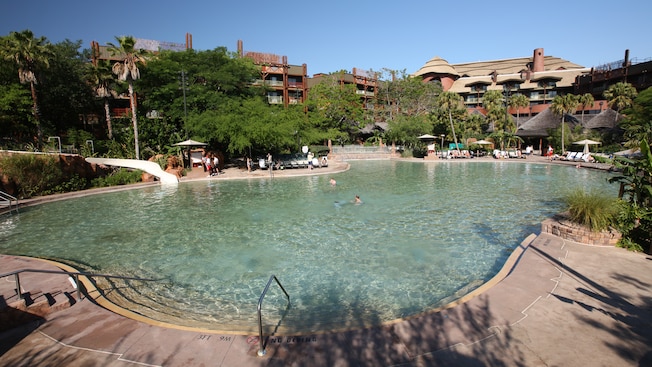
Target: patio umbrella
[482, 142]
[426, 137]
[190, 143]
[586, 143]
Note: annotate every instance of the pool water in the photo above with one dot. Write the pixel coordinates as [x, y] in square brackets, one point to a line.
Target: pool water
[424, 235]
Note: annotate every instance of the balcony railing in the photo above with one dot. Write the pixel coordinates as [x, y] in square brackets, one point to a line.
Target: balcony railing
[121, 112]
[274, 99]
[271, 83]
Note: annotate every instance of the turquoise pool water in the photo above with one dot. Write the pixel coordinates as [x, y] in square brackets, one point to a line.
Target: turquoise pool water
[425, 235]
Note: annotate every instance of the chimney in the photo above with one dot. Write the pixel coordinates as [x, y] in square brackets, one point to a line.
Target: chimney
[240, 50]
[188, 41]
[537, 60]
[626, 61]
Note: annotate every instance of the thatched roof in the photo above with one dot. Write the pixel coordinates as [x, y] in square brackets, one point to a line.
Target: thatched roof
[604, 120]
[437, 65]
[539, 125]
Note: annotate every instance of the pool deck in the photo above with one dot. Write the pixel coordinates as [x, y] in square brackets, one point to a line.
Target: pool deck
[555, 303]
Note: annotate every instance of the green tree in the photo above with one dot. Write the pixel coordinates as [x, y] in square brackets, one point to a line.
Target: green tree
[66, 95]
[31, 55]
[585, 100]
[127, 70]
[492, 102]
[404, 130]
[449, 102]
[401, 94]
[334, 107]
[15, 105]
[637, 125]
[620, 96]
[561, 106]
[101, 78]
[518, 101]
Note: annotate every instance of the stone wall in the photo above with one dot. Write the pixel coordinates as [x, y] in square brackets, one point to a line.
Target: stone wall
[561, 226]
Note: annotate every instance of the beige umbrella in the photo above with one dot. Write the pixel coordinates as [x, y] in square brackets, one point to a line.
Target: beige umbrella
[190, 143]
[586, 143]
[482, 142]
[426, 137]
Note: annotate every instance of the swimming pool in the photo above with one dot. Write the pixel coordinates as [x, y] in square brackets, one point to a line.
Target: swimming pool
[425, 235]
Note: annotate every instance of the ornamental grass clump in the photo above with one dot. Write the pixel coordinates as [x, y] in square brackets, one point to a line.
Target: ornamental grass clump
[592, 209]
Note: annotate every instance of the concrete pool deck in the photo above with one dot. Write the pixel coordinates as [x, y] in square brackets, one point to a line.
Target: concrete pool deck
[555, 303]
[559, 304]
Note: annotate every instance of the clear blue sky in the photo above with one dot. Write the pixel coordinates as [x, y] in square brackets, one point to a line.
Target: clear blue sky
[333, 35]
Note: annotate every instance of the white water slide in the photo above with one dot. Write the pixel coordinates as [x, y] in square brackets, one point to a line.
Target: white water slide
[147, 166]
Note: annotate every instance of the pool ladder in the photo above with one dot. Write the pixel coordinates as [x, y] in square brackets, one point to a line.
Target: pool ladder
[261, 350]
[9, 201]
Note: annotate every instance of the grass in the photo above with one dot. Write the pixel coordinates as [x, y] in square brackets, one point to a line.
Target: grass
[592, 209]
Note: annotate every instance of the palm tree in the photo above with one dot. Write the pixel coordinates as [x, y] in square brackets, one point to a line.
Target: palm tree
[102, 80]
[585, 100]
[620, 96]
[449, 101]
[518, 101]
[29, 54]
[562, 105]
[492, 102]
[127, 70]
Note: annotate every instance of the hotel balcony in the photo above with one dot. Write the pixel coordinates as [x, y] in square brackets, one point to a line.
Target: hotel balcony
[270, 83]
[275, 99]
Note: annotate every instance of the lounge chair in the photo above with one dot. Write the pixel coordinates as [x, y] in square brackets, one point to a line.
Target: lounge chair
[580, 157]
[569, 156]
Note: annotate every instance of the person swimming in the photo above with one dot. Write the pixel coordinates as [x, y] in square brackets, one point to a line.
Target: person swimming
[357, 200]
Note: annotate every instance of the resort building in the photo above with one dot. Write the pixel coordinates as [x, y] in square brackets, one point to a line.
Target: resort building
[540, 78]
[286, 84]
[600, 78]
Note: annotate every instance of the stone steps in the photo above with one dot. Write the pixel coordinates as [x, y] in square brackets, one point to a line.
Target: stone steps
[36, 306]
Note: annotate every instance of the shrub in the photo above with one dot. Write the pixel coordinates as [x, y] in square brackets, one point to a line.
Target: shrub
[32, 174]
[407, 153]
[118, 177]
[635, 223]
[592, 209]
[629, 244]
[75, 183]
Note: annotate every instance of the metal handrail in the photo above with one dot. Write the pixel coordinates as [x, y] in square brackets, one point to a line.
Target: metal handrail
[261, 350]
[8, 198]
[16, 274]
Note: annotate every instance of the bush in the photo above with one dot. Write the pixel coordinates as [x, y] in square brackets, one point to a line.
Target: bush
[601, 159]
[592, 209]
[629, 244]
[33, 174]
[407, 153]
[118, 177]
[635, 223]
[75, 183]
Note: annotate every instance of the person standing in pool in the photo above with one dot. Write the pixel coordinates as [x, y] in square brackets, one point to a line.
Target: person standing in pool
[357, 200]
